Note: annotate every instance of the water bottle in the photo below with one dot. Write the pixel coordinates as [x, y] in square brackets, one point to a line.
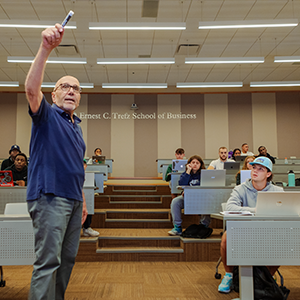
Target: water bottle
[286, 161]
[291, 178]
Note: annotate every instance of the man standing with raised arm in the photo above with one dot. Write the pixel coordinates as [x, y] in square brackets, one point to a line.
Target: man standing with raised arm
[55, 198]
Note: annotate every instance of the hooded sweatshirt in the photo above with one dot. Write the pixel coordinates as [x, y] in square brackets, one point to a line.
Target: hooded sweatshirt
[243, 197]
[190, 179]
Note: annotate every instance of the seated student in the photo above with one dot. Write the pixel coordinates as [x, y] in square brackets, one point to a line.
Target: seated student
[97, 152]
[262, 150]
[243, 198]
[87, 230]
[218, 164]
[191, 176]
[19, 170]
[245, 150]
[14, 150]
[236, 152]
[179, 154]
[246, 166]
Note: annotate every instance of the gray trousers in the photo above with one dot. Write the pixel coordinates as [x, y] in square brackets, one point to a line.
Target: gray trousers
[177, 205]
[56, 225]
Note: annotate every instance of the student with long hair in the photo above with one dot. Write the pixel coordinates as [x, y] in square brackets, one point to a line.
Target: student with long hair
[246, 166]
[191, 176]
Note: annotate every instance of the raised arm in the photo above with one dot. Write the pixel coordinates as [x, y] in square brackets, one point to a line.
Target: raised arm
[51, 38]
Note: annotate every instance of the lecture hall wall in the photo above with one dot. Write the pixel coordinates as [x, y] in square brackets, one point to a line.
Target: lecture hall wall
[200, 123]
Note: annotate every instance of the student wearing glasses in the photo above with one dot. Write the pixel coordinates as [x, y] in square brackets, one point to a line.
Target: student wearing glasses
[55, 197]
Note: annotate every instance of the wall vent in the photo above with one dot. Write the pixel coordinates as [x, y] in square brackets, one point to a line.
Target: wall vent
[150, 8]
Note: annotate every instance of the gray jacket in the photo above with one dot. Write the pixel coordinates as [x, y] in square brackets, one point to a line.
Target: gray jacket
[243, 196]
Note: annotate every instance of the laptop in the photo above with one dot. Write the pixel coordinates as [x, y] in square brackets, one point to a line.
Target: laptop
[6, 178]
[178, 165]
[278, 204]
[98, 160]
[240, 158]
[231, 167]
[245, 174]
[213, 177]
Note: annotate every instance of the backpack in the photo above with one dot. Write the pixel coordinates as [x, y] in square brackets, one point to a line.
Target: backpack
[197, 231]
[265, 287]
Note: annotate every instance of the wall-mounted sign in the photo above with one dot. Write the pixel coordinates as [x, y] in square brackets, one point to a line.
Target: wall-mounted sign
[136, 116]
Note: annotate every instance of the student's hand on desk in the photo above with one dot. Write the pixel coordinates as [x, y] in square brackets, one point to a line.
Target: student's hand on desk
[20, 182]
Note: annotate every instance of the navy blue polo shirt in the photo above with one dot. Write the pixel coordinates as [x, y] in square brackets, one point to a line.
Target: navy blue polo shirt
[56, 154]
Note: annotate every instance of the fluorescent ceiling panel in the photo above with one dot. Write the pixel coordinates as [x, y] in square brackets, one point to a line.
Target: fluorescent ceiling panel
[9, 83]
[274, 83]
[286, 59]
[248, 24]
[134, 61]
[82, 85]
[134, 85]
[32, 24]
[208, 84]
[51, 60]
[225, 60]
[136, 26]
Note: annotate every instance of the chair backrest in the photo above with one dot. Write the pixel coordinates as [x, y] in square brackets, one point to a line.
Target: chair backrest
[224, 206]
[16, 209]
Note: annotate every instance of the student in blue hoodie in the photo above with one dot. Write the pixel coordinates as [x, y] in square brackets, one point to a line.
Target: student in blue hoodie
[191, 176]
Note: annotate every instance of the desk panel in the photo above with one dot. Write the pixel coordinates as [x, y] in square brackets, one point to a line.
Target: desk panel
[16, 242]
[174, 183]
[18, 194]
[14, 194]
[98, 169]
[204, 200]
[109, 163]
[161, 162]
[285, 168]
[267, 243]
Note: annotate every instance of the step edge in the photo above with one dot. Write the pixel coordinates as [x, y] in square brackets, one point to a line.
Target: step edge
[132, 250]
[138, 220]
[139, 238]
[196, 241]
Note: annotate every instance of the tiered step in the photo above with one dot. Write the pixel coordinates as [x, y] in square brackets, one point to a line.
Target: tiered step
[147, 245]
[133, 219]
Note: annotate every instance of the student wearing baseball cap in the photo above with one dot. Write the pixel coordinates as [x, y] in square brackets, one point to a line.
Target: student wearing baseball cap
[14, 150]
[243, 198]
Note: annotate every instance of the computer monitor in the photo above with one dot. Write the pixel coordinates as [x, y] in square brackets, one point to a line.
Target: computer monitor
[231, 167]
[6, 178]
[98, 159]
[178, 165]
[240, 158]
[213, 177]
[245, 174]
[278, 204]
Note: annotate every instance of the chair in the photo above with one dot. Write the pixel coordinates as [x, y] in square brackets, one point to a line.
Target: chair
[16, 209]
[218, 275]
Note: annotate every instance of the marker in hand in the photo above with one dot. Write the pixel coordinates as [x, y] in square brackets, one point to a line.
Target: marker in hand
[67, 19]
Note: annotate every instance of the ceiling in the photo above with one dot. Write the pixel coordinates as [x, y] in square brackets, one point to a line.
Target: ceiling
[91, 44]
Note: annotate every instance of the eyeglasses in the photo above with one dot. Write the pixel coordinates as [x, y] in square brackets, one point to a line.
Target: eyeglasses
[65, 87]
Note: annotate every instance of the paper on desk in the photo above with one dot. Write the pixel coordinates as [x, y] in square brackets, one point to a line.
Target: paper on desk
[237, 213]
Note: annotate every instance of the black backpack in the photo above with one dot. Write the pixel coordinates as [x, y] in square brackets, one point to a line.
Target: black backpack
[265, 287]
[197, 231]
